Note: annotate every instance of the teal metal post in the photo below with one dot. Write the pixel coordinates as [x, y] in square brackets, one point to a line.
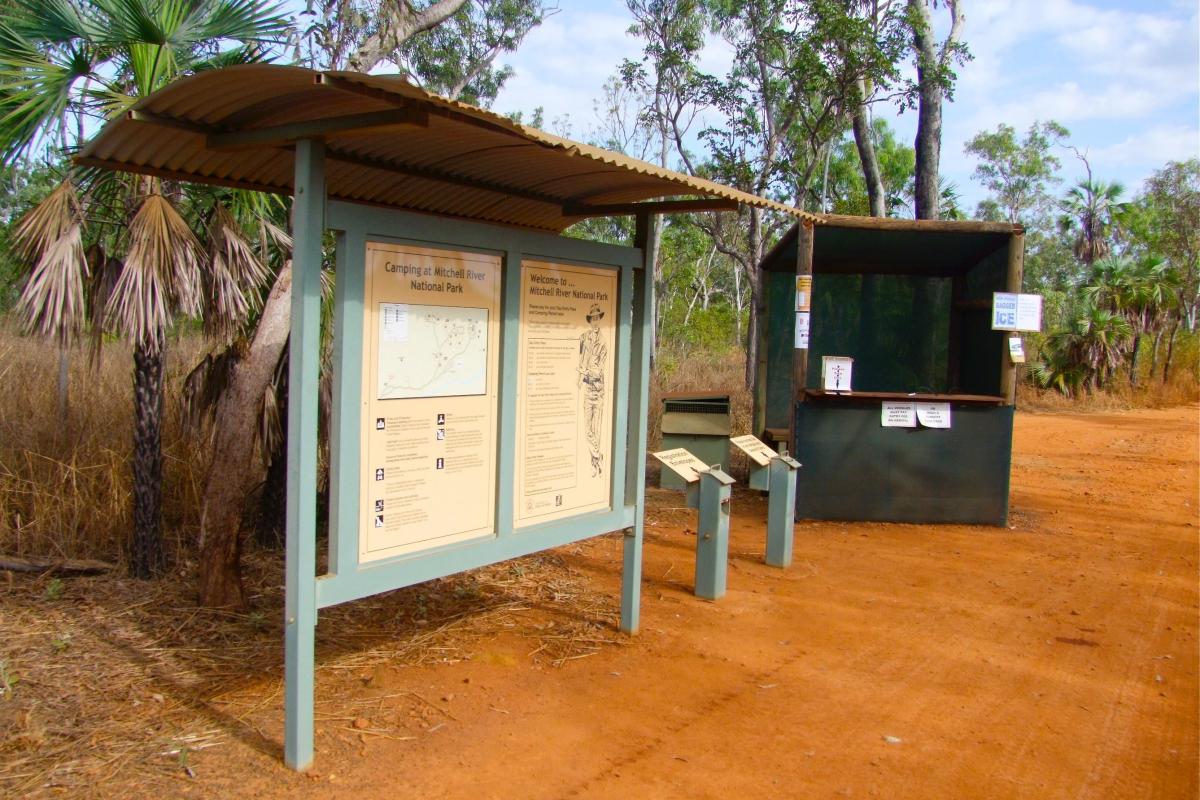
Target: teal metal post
[781, 509]
[300, 608]
[710, 495]
[641, 341]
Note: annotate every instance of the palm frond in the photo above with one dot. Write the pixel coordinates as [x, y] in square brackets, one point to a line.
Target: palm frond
[34, 90]
[234, 276]
[206, 384]
[161, 276]
[244, 21]
[52, 301]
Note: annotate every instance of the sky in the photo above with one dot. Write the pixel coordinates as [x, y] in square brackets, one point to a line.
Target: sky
[1122, 75]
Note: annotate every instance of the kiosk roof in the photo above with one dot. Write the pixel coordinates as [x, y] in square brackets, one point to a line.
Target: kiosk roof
[388, 143]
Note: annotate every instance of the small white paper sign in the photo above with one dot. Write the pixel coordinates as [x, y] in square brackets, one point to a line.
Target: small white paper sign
[898, 415]
[752, 446]
[933, 415]
[802, 320]
[1016, 312]
[1016, 350]
[682, 463]
[835, 373]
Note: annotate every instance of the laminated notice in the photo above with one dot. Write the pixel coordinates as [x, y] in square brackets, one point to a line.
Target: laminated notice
[898, 415]
[934, 415]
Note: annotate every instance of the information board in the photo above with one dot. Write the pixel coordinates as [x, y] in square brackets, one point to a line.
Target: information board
[565, 391]
[431, 346]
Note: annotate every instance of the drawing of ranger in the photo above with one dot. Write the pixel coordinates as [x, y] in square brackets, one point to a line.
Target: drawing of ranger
[593, 356]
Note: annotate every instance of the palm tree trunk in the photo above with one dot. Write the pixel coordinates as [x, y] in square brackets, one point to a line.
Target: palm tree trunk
[1133, 359]
[1170, 350]
[146, 548]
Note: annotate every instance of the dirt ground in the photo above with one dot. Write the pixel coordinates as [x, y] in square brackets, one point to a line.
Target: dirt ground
[1056, 658]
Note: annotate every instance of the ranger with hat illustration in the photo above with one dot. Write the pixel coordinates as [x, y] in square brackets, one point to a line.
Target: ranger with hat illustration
[593, 356]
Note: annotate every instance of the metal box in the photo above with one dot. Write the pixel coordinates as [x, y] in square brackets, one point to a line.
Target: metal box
[700, 424]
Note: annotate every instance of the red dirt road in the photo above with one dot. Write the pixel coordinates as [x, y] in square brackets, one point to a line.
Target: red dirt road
[1054, 659]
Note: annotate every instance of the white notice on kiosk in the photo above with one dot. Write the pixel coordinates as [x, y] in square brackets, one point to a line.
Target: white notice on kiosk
[898, 415]
[934, 415]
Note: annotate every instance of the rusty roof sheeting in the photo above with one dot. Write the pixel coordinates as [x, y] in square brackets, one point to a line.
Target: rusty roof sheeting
[466, 162]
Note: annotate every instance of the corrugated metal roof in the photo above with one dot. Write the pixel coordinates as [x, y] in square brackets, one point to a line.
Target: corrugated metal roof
[458, 161]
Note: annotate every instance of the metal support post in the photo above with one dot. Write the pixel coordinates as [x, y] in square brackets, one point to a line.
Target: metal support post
[711, 495]
[781, 509]
[641, 342]
[300, 607]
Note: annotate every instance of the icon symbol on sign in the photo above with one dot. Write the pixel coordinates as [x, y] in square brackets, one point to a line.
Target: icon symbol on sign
[378, 505]
[379, 474]
[441, 463]
[379, 520]
[380, 423]
[441, 434]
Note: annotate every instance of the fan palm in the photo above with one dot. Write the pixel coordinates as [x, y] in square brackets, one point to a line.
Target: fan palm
[112, 252]
[1093, 207]
[1141, 291]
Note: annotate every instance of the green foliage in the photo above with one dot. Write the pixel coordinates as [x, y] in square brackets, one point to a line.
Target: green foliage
[1017, 173]
[54, 589]
[844, 189]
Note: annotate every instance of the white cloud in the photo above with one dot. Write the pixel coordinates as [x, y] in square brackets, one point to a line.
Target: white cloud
[1153, 147]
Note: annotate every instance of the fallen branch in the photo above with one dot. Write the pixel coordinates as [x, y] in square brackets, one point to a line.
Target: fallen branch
[67, 566]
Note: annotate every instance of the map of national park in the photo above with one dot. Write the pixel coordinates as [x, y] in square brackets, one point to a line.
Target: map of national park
[431, 351]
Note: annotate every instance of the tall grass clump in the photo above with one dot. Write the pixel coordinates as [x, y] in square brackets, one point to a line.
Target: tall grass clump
[65, 482]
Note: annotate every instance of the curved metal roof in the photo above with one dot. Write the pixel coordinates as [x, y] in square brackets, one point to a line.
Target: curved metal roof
[387, 143]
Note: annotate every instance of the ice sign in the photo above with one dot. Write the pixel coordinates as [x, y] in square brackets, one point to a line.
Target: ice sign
[1016, 312]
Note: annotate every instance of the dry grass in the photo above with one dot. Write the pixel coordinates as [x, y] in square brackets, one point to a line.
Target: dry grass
[65, 483]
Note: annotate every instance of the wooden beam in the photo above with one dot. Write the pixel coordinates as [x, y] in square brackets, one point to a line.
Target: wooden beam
[1014, 279]
[439, 176]
[942, 225]
[277, 135]
[804, 266]
[655, 207]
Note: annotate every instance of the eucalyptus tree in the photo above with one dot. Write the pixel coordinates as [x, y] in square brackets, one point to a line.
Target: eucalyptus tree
[449, 47]
[1018, 173]
[935, 60]
[111, 252]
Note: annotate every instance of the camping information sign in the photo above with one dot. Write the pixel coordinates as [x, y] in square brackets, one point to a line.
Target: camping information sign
[431, 338]
[565, 391]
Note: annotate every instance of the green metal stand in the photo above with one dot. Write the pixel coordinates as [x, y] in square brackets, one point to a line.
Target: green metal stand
[781, 509]
[300, 612]
[710, 495]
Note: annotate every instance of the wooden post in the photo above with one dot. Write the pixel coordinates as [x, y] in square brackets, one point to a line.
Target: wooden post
[804, 266]
[1016, 269]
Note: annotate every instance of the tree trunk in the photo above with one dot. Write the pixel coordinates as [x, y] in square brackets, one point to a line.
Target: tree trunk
[64, 383]
[867, 157]
[1154, 353]
[752, 276]
[1170, 351]
[146, 548]
[1133, 359]
[235, 466]
[928, 144]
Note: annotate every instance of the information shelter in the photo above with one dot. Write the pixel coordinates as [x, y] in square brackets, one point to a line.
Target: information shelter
[880, 368]
[490, 376]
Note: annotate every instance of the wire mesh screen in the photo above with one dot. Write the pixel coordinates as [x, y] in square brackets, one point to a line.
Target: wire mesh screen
[895, 327]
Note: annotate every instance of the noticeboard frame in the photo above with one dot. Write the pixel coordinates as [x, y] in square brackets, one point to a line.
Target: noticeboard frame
[347, 579]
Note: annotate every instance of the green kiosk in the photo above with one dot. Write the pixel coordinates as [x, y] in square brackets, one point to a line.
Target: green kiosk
[880, 368]
[490, 376]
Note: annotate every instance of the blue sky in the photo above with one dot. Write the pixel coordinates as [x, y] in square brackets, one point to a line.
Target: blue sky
[1123, 77]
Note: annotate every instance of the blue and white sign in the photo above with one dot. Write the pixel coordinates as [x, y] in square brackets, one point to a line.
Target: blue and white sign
[1016, 312]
